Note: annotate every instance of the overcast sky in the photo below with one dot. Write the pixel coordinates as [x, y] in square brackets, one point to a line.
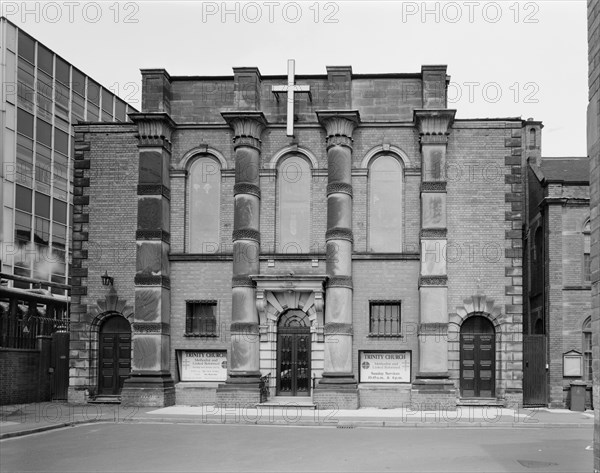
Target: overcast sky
[505, 58]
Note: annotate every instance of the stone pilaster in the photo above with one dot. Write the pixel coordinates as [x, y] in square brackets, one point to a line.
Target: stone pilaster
[150, 383]
[242, 386]
[338, 384]
[432, 385]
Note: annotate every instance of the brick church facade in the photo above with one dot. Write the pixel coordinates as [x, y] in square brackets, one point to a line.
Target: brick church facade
[355, 245]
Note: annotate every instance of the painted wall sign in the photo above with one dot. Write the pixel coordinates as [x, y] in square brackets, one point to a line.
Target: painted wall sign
[196, 365]
[384, 366]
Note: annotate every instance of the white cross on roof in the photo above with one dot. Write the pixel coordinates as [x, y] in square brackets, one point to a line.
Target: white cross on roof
[290, 89]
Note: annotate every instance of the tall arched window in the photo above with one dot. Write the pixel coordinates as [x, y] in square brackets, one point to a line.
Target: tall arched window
[587, 350]
[537, 273]
[532, 137]
[587, 260]
[385, 205]
[294, 190]
[204, 193]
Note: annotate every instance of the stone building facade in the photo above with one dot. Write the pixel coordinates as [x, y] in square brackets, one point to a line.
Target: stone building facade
[343, 238]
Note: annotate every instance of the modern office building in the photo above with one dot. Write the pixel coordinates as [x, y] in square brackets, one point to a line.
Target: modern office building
[43, 95]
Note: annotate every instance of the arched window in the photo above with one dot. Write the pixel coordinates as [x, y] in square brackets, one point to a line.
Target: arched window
[294, 190]
[204, 194]
[537, 273]
[587, 260]
[532, 137]
[385, 205]
[587, 350]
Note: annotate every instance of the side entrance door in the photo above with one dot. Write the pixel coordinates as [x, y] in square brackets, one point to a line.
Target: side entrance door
[115, 355]
[534, 370]
[60, 365]
[477, 358]
[293, 354]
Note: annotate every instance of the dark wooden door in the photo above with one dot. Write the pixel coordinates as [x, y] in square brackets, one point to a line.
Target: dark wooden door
[477, 358]
[534, 370]
[115, 355]
[60, 365]
[293, 354]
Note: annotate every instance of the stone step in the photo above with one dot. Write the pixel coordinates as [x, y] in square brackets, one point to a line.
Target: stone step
[480, 401]
[105, 400]
[297, 402]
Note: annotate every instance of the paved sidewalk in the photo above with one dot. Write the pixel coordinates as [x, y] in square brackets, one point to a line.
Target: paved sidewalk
[27, 419]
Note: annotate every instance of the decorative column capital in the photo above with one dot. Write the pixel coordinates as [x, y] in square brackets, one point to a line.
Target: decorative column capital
[154, 129]
[434, 123]
[247, 127]
[339, 125]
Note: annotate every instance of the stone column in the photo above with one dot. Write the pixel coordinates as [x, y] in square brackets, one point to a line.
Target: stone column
[242, 386]
[338, 384]
[432, 386]
[150, 383]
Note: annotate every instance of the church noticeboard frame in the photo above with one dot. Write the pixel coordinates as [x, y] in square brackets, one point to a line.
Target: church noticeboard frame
[379, 366]
[572, 364]
[202, 365]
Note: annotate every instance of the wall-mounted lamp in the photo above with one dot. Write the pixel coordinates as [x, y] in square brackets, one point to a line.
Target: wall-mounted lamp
[107, 280]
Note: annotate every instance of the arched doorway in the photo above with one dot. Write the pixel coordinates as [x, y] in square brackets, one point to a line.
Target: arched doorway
[293, 354]
[114, 355]
[477, 358]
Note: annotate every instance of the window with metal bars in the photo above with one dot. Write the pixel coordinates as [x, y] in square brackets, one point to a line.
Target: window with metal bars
[384, 319]
[201, 318]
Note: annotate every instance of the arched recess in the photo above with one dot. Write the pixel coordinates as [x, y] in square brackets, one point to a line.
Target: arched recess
[385, 209]
[586, 349]
[111, 306]
[475, 305]
[586, 256]
[294, 204]
[203, 204]
[386, 149]
[277, 295]
[477, 376]
[189, 156]
[293, 354]
[114, 354]
[274, 162]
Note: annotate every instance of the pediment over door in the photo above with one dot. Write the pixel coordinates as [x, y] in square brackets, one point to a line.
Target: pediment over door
[275, 294]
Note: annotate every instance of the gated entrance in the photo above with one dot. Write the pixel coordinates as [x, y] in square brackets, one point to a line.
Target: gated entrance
[115, 355]
[293, 354]
[477, 358]
[534, 370]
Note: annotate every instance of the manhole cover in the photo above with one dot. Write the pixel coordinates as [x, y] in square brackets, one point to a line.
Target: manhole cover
[536, 464]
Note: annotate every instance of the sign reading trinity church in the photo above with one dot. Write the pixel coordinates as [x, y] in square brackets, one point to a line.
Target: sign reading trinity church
[385, 367]
[195, 365]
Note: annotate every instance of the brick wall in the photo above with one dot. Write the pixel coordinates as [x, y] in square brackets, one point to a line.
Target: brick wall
[484, 236]
[105, 217]
[24, 374]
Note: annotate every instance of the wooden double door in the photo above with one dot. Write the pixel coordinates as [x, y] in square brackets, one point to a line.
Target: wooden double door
[293, 354]
[114, 355]
[477, 358]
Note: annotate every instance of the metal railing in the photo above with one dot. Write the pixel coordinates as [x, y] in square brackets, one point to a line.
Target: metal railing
[264, 387]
